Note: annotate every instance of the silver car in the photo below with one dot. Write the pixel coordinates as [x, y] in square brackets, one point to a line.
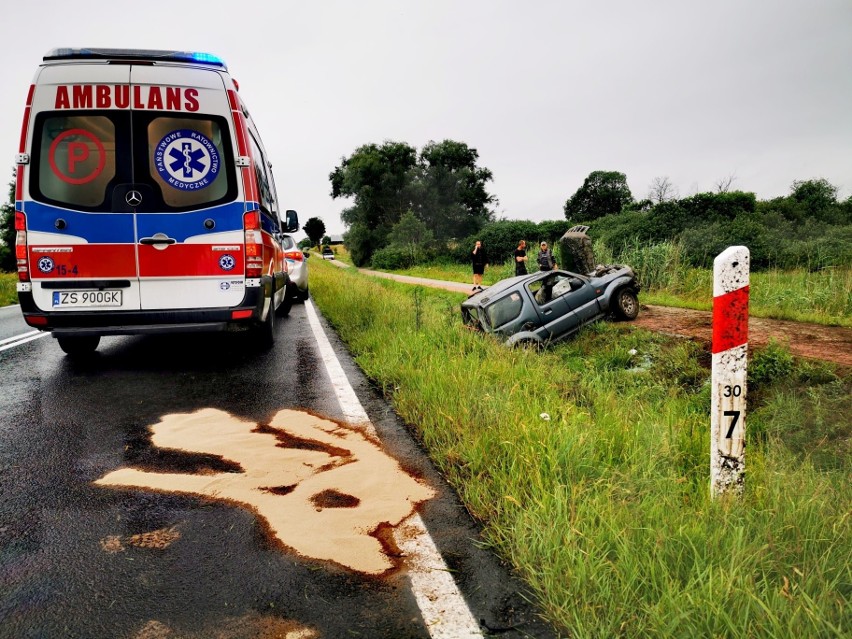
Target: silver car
[297, 265]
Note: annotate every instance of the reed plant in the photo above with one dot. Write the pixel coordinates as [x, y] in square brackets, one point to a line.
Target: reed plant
[587, 465]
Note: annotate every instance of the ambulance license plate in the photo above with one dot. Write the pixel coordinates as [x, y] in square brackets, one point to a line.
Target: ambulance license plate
[86, 299]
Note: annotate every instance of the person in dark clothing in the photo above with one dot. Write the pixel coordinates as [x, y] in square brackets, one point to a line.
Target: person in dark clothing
[521, 258]
[546, 261]
[479, 262]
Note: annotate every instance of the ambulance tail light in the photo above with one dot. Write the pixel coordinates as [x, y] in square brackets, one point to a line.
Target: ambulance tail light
[21, 247]
[254, 244]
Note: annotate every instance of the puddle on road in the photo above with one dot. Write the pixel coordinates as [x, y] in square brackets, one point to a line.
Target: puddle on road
[325, 489]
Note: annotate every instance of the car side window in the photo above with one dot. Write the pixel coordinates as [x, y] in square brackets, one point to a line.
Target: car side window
[504, 310]
[562, 285]
[554, 285]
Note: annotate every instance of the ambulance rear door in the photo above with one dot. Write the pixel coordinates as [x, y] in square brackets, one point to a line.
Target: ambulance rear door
[81, 243]
[185, 195]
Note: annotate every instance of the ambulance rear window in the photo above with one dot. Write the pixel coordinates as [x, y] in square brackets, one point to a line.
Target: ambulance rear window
[76, 159]
[90, 160]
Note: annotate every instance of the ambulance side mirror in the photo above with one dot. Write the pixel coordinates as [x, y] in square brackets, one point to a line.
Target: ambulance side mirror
[291, 221]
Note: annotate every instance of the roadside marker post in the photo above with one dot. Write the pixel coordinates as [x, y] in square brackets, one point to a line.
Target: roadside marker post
[730, 365]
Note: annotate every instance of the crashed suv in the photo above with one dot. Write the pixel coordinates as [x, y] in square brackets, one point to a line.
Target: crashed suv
[548, 306]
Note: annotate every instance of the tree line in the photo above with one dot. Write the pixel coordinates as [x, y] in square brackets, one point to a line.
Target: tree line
[411, 207]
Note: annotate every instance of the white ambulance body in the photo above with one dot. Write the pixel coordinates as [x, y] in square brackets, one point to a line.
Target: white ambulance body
[145, 201]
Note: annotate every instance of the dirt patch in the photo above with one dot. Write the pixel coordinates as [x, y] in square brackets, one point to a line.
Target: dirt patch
[156, 539]
[812, 341]
[252, 625]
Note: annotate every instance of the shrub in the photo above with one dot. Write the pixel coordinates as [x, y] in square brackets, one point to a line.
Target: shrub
[770, 364]
[391, 259]
[500, 239]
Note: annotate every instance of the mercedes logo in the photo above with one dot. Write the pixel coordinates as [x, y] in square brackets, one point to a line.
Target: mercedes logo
[133, 198]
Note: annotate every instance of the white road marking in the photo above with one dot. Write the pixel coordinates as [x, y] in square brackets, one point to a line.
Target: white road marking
[17, 340]
[441, 603]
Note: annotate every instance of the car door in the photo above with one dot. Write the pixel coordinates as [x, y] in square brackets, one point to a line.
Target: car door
[581, 297]
[556, 315]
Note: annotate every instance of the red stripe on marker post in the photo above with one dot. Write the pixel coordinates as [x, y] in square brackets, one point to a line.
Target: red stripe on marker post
[730, 320]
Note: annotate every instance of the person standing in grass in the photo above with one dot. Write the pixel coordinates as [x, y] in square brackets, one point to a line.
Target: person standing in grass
[479, 262]
[521, 258]
[546, 261]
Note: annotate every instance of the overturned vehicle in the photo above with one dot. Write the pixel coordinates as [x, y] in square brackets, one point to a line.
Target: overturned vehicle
[549, 306]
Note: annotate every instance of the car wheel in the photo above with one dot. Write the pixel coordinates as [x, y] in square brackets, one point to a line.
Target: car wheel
[626, 304]
[529, 345]
[77, 346]
[304, 295]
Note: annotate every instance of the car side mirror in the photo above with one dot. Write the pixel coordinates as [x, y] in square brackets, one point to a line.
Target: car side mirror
[306, 254]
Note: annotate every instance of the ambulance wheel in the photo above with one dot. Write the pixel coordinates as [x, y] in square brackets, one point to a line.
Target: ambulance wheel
[264, 335]
[76, 346]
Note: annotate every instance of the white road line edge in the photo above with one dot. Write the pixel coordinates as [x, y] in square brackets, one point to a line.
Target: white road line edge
[17, 337]
[11, 342]
[441, 604]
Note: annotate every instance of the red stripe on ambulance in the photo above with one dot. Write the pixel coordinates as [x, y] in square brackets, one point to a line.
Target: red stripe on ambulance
[84, 261]
[249, 186]
[188, 260]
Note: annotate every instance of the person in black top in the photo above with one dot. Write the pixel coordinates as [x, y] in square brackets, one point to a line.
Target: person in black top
[479, 262]
[521, 258]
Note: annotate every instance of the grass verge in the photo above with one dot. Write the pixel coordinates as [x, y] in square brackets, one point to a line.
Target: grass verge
[588, 468]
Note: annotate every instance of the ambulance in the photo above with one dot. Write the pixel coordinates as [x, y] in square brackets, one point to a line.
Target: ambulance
[144, 201]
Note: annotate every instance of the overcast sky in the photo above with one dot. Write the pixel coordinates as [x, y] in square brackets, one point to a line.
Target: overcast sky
[545, 91]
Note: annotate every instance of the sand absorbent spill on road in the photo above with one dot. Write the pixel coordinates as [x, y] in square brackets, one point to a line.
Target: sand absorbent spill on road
[324, 489]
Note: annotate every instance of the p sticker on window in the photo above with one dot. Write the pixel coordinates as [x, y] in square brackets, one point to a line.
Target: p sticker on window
[76, 156]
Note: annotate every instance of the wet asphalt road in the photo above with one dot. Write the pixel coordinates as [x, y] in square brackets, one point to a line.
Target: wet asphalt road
[80, 560]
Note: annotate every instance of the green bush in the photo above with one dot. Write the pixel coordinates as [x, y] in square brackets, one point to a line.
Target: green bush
[391, 259]
[500, 239]
[770, 364]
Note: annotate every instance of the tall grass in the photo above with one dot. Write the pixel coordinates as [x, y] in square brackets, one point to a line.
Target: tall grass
[8, 291]
[823, 296]
[588, 468]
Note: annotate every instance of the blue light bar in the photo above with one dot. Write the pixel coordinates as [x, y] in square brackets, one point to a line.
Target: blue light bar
[146, 55]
